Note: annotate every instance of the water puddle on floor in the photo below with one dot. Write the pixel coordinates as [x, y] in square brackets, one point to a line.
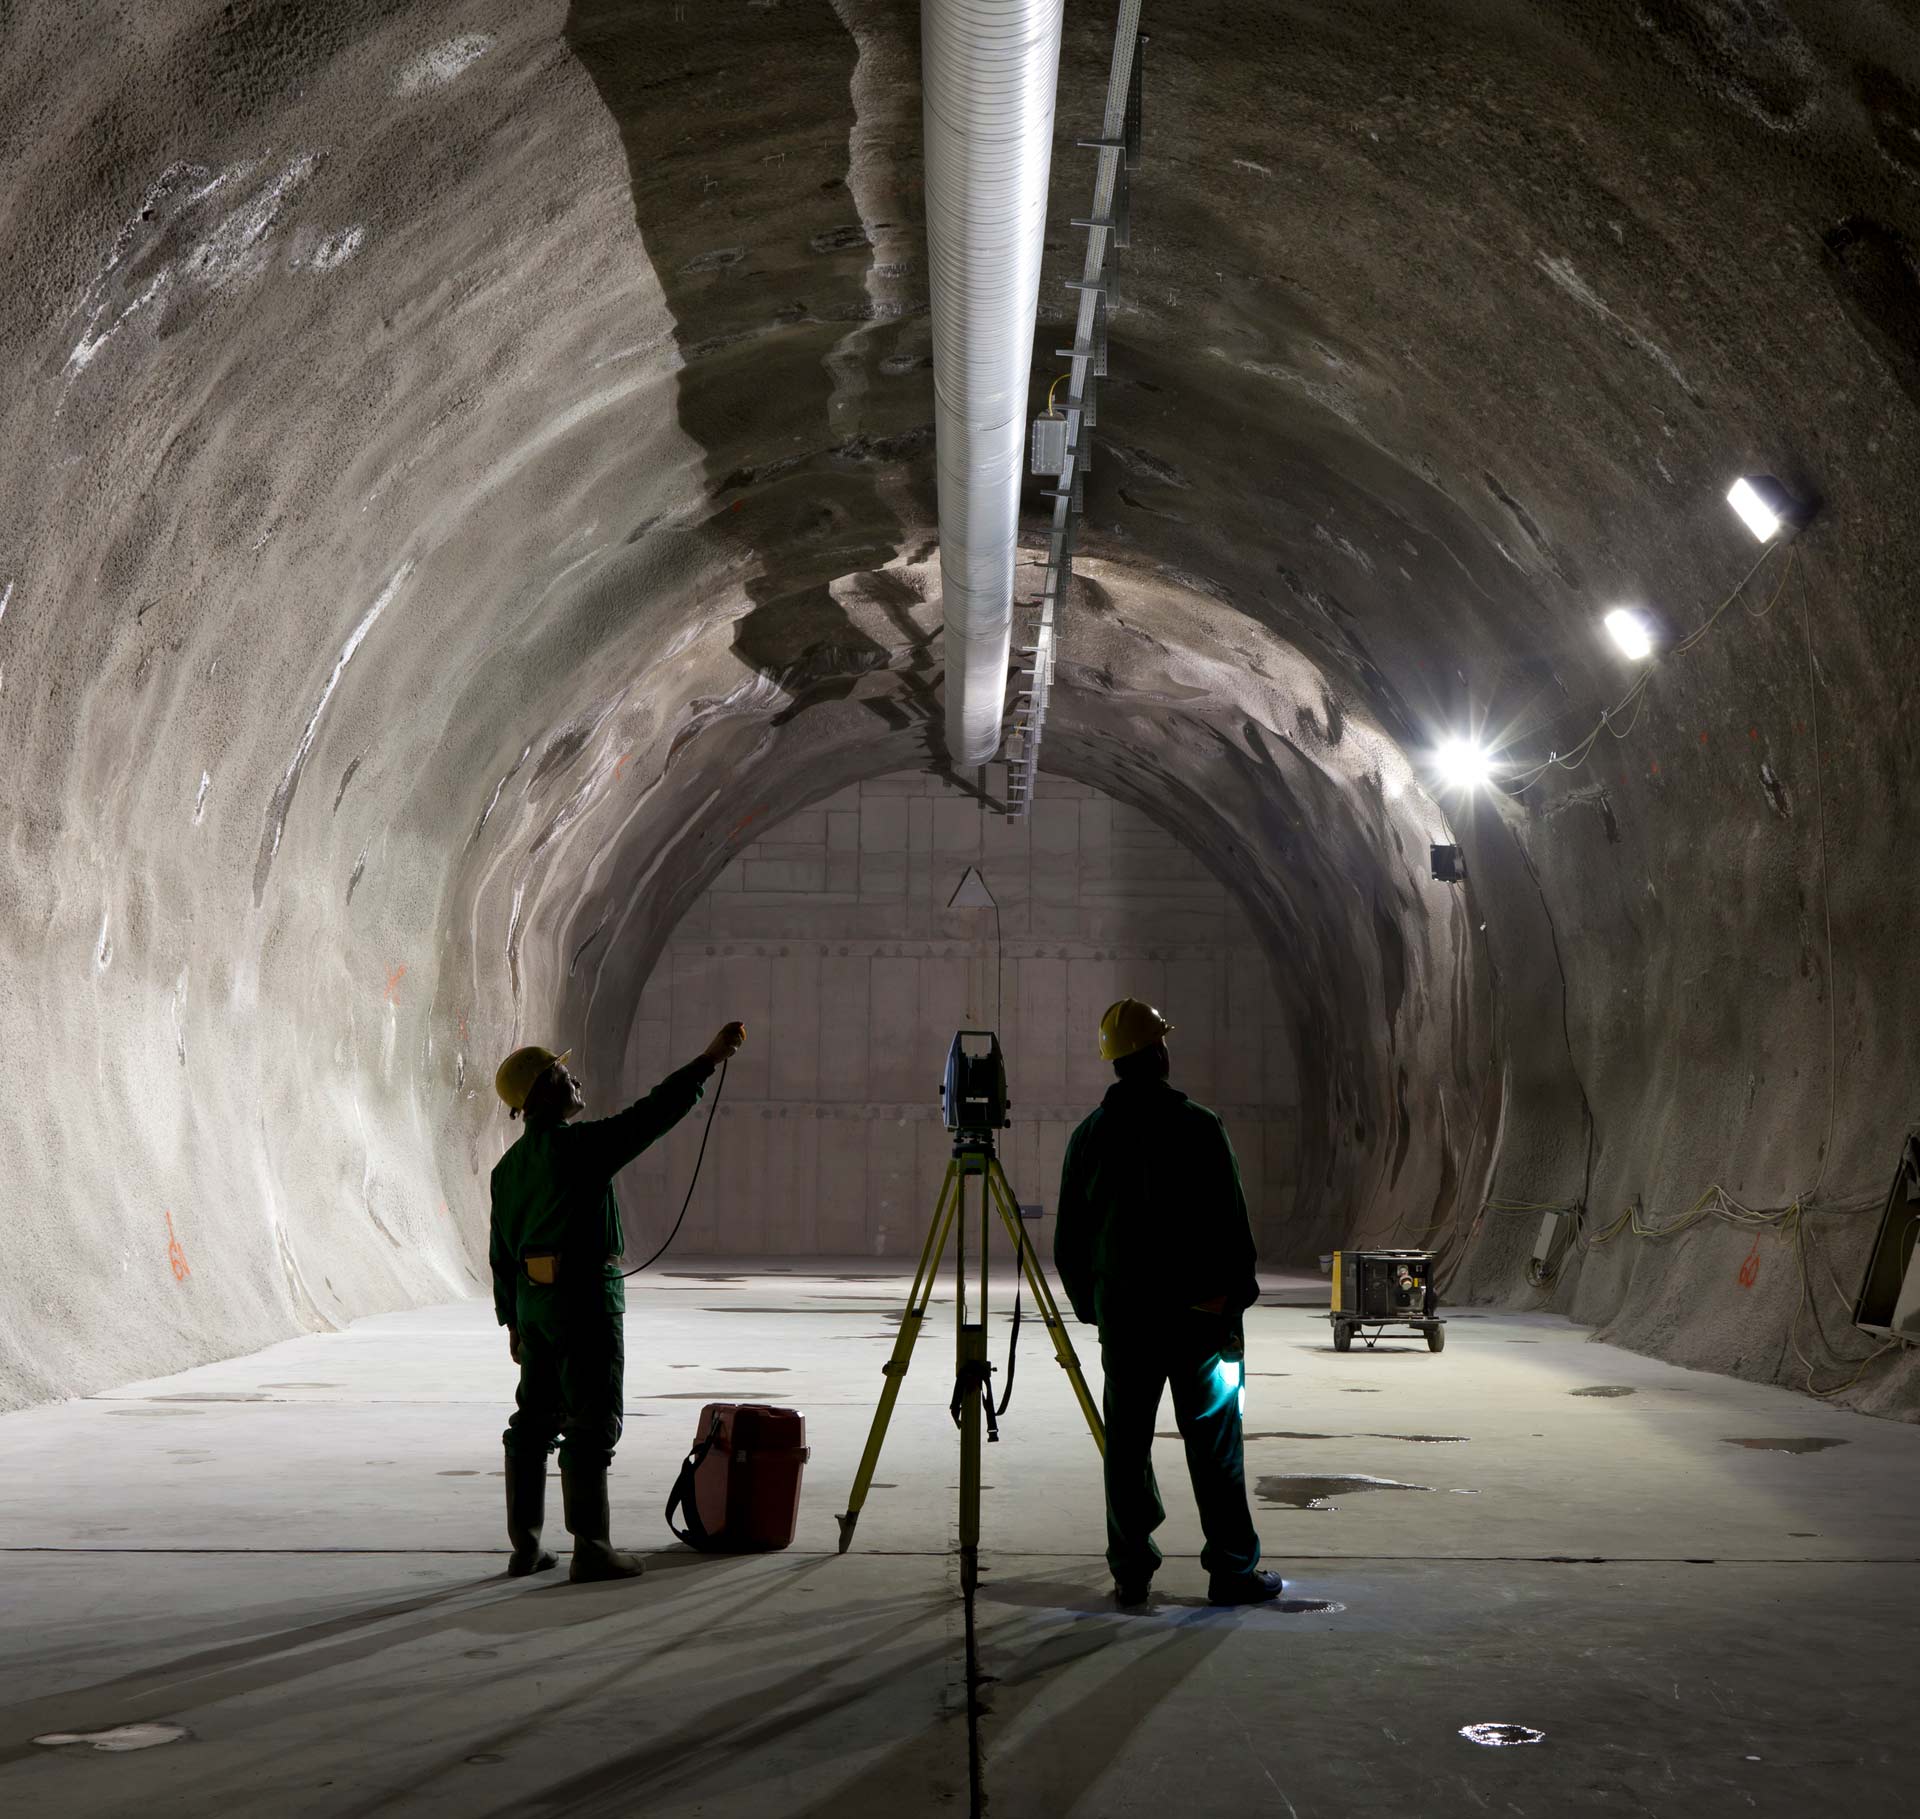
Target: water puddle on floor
[1303, 1491]
[1603, 1389]
[120, 1738]
[1802, 1444]
[1501, 1736]
[215, 1396]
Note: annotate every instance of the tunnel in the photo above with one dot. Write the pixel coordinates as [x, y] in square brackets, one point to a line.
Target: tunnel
[472, 578]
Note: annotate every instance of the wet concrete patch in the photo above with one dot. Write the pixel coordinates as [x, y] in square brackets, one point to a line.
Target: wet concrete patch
[215, 1396]
[1501, 1736]
[1305, 1491]
[1801, 1444]
[1603, 1389]
[120, 1738]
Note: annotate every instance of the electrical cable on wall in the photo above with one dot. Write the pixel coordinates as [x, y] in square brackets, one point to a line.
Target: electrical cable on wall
[1716, 1203]
[1573, 760]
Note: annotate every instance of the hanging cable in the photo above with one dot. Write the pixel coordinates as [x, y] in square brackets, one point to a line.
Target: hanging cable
[1826, 901]
[712, 1110]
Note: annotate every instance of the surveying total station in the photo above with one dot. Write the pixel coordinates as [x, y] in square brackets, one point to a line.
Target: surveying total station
[973, 1098]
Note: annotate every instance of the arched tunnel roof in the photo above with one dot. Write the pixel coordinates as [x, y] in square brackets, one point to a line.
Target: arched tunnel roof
[470, 468]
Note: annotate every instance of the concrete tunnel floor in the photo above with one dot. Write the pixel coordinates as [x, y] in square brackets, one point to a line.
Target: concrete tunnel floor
[296, 1557]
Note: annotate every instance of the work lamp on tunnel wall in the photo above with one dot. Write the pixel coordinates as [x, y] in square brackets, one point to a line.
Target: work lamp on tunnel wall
[1462, 764]
[1766, 507]
[1632, 631]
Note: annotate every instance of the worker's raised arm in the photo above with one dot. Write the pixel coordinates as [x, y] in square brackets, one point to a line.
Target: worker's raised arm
[607, 1145]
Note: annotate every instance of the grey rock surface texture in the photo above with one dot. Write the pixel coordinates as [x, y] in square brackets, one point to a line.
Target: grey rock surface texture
[469, 474]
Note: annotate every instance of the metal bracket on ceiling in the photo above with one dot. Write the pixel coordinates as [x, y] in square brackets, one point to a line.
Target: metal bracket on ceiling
[1109, 218]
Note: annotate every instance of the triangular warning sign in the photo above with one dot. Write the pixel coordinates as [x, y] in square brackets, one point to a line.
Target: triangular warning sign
[971, 893]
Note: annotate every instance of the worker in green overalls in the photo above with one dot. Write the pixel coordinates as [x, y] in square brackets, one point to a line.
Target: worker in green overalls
[1153, 1247]
[555, 1247]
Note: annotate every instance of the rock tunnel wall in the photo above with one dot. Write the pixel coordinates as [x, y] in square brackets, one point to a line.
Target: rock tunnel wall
[468, 470]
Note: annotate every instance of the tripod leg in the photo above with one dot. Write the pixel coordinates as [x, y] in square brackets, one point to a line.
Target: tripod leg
[1064, 1354]
[895, 1369]
[973, 1360]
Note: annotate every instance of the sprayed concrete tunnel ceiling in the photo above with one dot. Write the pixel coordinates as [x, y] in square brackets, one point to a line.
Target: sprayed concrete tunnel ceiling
[471, 477]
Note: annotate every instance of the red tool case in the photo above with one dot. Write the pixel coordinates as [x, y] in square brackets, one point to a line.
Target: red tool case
[739, 1488]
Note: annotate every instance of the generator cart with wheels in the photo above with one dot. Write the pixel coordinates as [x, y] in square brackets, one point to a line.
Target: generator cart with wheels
[1379, 1289]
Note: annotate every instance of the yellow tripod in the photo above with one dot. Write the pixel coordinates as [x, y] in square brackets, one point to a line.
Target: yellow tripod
[974, 1161]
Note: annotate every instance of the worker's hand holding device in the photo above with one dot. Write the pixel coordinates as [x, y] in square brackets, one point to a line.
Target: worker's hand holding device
[727, 1043]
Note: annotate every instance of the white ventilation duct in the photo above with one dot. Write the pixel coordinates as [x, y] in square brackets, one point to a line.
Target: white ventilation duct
[988, 73]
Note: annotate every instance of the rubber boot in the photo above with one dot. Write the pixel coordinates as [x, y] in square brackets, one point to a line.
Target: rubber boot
[526, 1512]
[594, 1557]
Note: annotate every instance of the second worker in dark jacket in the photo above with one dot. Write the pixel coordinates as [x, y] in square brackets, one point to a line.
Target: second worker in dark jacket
[1154, 1247]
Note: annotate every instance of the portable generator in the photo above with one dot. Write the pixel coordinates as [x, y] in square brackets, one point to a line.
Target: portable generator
[1379, 1289]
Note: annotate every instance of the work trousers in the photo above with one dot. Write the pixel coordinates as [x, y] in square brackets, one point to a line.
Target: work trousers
[1182, 1353]
[572, 1388]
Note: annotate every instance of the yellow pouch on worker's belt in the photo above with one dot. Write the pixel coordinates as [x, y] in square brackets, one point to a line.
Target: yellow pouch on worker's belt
[546, 1267]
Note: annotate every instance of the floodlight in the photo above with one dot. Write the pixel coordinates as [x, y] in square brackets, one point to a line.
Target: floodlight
[1462, 763]
[1766, 507]
[1630, 631]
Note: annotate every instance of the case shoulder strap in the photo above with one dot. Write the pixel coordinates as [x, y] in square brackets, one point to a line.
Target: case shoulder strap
[682, 1496]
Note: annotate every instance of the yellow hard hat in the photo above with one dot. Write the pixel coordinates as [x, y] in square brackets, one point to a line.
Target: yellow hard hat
[1130, 1026]
[516, 1075]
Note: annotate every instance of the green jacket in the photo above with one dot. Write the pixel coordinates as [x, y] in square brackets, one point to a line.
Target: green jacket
[1152, 1215]
[553, 1191]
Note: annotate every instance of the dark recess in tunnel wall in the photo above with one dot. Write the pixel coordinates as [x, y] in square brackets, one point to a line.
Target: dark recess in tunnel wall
[794, 468]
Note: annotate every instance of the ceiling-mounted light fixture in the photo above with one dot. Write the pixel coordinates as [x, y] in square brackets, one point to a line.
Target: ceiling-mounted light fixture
[1766, 507]
[1630, 631]
[1462, 763]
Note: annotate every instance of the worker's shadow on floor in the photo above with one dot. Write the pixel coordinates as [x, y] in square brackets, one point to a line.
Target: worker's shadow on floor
[1099, 1677]
[276, 1654]
[1088, 1599]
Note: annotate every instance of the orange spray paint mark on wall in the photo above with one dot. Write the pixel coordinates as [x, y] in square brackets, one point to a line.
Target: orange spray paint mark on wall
[626, 758]
[176, 1257]
[463, 1026]
[393, 984]
[1750, 1270]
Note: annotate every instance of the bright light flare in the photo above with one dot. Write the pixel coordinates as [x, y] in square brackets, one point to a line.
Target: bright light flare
[1229, 1379]
[1758, 512]
[1631, 632]
[1462, 763]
